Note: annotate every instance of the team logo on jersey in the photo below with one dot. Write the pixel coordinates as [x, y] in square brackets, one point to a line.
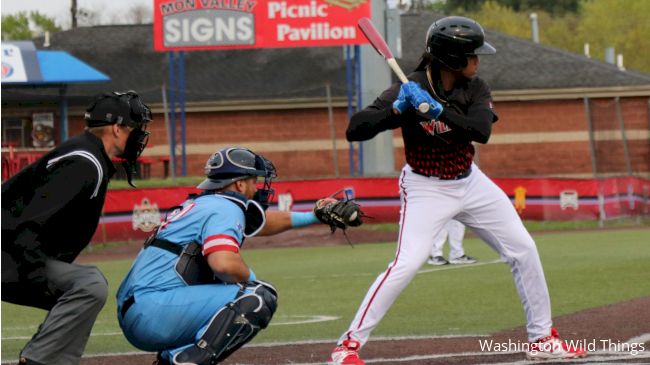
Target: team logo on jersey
[146, 216]
[240, 228]
[434, 127]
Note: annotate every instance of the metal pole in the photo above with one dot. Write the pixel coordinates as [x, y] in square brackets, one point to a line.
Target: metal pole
[592, 148]
[330, 114]
[181, 103]
[350, 90]
[169, 132]
[357, 73]
[172, 110]
[621, 122]
[63, 109]
[592, 142]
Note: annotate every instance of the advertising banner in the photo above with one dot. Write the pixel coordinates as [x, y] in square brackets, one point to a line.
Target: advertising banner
[132, 214]
[42, 130]
[19, 62]
[233, 24]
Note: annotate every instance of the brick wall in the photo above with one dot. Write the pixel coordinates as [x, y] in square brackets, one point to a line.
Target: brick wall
[532, 138]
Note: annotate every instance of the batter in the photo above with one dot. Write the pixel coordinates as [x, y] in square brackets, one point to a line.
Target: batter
[440, 182]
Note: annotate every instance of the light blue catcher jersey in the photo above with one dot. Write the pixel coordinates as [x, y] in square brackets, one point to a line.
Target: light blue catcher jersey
[214, 221]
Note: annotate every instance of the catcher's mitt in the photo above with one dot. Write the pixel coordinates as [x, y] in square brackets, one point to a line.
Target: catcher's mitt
[338, 213]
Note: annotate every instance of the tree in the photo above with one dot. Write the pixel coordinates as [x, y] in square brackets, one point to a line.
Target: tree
[622, 24]
[24, 26]
[551, 7]
[139, 14]
[493, 15]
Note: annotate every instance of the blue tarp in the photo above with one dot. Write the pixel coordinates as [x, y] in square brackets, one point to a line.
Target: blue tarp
[59, 67]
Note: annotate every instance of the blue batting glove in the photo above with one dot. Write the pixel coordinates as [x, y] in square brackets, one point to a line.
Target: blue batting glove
[420, 96]
[404, 98]
[403, 101]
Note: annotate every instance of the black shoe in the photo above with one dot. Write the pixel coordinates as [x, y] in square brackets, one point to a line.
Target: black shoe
[463, 260]
[437, 261]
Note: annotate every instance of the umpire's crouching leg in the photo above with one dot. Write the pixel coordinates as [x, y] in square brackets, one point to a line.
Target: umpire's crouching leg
[63, 335]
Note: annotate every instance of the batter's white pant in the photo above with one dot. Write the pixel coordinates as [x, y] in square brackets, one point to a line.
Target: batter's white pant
[453, 231]
[428, 203]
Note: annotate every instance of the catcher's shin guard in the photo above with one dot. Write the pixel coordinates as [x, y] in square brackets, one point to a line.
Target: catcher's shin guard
[233, 326]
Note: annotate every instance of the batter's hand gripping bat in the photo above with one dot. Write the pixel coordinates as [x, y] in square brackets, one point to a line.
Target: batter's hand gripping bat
[377, 41]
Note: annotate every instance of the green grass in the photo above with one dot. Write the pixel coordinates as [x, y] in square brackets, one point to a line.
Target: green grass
[545, 226]
[583, 270]
[157, 182]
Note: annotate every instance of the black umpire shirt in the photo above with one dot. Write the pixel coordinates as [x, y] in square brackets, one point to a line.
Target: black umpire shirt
[52, 208]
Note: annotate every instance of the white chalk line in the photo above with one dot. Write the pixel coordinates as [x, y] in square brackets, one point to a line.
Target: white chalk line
[299, 319]
[455, 267]
[331, 341]
[307, 319]
[597, 356]
[315, 320]
[372, 274]
[593, 356]
[639, 339]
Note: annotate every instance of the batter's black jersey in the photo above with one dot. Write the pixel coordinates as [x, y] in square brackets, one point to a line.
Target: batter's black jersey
[54, 204]
[440, 147]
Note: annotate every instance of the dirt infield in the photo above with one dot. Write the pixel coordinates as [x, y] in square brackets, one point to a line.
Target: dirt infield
[613, 324]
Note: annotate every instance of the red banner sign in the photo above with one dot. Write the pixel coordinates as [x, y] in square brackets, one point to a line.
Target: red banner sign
[233, 24]
[130, 214]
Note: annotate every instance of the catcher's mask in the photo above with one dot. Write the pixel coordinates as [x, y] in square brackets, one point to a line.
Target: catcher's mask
[235, 163]
[125, 109]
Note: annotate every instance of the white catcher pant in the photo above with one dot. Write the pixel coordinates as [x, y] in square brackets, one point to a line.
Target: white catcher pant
[428, 203]
[453, 231]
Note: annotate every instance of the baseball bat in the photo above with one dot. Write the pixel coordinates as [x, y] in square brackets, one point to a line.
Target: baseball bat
[377, 41]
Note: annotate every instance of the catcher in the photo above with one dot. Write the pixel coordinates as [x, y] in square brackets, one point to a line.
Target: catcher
[189, 295]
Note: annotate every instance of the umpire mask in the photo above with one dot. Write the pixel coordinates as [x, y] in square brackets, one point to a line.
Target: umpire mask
[125, 109]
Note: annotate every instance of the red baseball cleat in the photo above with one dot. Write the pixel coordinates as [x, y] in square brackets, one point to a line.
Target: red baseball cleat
[552, 347]
[346, 354]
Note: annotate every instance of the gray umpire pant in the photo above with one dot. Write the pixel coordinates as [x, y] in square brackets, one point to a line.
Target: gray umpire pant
[74, 297]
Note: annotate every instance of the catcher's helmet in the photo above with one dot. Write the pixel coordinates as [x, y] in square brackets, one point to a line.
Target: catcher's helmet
[234, 163]
[451, 39]
[118, 107]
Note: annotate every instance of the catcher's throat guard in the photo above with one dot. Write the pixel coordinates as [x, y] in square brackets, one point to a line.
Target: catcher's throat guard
[233, 326]
[253, 211]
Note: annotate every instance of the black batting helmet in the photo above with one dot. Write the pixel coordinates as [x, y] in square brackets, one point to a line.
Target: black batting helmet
[451, 39]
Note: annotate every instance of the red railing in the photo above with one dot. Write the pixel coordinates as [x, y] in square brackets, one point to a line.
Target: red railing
[13, 161]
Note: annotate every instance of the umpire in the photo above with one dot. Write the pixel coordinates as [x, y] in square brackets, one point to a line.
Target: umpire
[50, 211]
